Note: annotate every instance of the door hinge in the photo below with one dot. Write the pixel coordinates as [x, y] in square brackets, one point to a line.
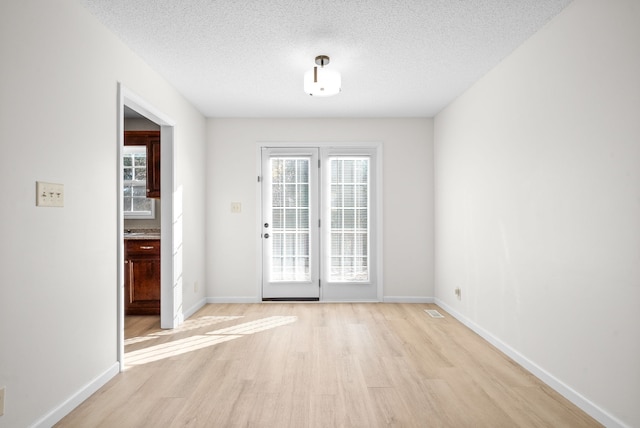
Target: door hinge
[319, 283]
[319, 223]
[318, 163]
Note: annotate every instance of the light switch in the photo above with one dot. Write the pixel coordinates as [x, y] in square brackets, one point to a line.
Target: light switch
[49, 194]
[236, 207]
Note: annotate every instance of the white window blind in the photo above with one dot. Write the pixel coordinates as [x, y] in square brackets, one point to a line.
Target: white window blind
[290, 219]
[350, 213]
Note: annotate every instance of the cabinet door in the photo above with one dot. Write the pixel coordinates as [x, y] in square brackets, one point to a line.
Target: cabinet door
[142, 277]
[153, 168]
[142, 287]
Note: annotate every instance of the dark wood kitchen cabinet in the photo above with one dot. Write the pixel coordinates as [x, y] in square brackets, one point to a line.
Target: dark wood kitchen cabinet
[142, 277]
[151, 140]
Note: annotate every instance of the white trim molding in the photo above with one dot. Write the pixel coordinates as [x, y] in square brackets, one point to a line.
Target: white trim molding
[562, 388]
[232, 299]
[408, 299]
[55, 415]
[195, 308]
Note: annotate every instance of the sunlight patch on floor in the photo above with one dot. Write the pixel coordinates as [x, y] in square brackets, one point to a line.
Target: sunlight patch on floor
[197, 323]
[193, 343]
[171, 349]
[257, 326]
[186, 326]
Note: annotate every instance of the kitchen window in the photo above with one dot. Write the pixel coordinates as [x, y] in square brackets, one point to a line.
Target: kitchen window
[135, 201]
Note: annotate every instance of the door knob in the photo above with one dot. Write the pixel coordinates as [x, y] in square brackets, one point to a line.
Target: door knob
[266, 225]
[266, 235]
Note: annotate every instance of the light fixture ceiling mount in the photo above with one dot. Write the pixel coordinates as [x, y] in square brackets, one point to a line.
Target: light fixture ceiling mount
[322, 82]
[322, 60]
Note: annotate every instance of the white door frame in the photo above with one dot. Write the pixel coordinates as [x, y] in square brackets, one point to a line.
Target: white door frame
[284, 289]
[378, 189]
[171, 314]
[350, 291]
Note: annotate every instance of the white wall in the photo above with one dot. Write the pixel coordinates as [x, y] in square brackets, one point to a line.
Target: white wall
[232, 239]
[58, 118]
[538, 205]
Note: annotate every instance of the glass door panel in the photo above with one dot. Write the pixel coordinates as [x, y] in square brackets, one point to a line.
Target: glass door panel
[348, 241]
[290, 232]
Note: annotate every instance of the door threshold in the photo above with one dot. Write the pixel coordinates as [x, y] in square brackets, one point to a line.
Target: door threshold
[290, 299]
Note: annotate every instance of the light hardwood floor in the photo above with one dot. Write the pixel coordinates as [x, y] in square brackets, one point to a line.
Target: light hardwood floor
[319, 365]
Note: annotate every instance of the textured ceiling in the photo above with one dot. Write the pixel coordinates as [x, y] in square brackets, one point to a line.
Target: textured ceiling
[398, 58]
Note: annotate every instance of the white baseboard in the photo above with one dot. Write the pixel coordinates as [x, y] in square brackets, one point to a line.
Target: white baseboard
[233, 300]
[193, 309]
[563, 389]
[76, 399]
[407, 299]
[386, 299]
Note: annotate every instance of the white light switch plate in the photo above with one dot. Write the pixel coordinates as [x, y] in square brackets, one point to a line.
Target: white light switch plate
[49, 194]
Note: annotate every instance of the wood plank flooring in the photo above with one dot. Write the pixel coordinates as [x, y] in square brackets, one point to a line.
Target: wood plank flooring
[319, 365]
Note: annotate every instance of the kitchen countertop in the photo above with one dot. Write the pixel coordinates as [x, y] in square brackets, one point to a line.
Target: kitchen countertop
[142, 234]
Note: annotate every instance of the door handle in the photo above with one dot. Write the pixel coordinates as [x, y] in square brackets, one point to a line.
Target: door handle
[266, 236]
[266, 225]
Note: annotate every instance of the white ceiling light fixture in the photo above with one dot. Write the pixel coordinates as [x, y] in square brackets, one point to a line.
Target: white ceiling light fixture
[321, 82]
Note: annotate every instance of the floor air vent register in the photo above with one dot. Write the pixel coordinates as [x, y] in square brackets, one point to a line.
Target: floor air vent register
[433, 313]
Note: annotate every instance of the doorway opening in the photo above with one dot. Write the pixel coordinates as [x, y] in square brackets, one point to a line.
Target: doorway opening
[168, 207]
[142, 216]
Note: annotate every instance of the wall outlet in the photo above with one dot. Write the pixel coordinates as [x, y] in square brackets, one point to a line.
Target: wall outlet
[236, 207]
[195, 287]
[49, 194]
[2, 401]
[458, 293]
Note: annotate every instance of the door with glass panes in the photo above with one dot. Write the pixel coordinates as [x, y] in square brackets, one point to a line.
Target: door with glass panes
[318, 224]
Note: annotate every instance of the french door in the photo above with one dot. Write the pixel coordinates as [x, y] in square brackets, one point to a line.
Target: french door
[290, 234]
[318, 224]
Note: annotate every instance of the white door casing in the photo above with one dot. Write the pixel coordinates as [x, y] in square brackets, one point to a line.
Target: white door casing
[342, 261]
[290, 238]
